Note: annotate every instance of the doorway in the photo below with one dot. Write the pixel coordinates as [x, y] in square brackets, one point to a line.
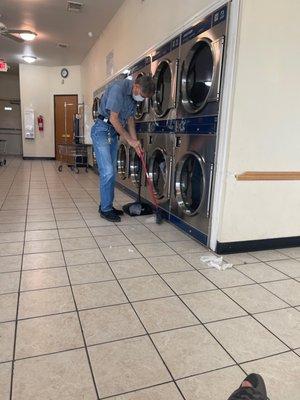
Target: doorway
[10, 111]
[65, 107]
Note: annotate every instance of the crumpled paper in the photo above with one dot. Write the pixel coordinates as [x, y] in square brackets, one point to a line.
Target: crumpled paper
[215, 262]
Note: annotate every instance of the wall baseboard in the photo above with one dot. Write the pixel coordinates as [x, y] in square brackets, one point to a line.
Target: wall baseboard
[256, 245]
[38, 158]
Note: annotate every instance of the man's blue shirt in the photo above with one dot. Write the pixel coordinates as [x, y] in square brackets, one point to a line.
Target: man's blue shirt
[118, 98]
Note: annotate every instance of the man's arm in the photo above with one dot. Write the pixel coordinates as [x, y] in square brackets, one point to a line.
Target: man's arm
[131, 127]
[114, 119]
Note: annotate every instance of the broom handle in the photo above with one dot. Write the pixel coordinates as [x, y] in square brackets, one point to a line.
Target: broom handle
[140, 185]
[149, 181]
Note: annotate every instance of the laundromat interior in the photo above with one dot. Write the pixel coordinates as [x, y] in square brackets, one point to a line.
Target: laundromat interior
[190, 299]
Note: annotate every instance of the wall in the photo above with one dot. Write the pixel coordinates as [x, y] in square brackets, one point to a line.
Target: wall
[264, 134]
[130, 34]
[10, 121]
[38, 85]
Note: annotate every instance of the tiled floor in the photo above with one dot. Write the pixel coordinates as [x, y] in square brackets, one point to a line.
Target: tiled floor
[93, 310]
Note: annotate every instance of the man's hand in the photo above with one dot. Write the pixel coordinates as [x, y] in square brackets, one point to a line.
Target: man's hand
[136, 145]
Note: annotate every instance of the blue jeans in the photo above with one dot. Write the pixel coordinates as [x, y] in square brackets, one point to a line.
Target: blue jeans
[105, 142]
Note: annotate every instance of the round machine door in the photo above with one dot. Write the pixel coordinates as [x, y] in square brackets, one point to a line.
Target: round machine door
[158, 173]
[95, 108]
[140, 105]
[122, 161]
[197, 76]
[135, 168]
[163, 91]
[190, 183]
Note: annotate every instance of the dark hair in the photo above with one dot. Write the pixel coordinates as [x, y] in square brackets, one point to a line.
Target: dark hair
[147, 84]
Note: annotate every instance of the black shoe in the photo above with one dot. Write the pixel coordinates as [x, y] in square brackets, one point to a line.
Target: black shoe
[256, 392]
[110, 216]
[118, 212]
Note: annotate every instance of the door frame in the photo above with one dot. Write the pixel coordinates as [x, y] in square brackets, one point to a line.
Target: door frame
[54, 96]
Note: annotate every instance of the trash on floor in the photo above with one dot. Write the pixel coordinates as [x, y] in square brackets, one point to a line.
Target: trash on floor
[137, 208]
[216, 262]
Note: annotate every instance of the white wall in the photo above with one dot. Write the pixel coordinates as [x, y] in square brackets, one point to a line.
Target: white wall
[265, 124]
[136, 27]
[10, 121]
[38, 85]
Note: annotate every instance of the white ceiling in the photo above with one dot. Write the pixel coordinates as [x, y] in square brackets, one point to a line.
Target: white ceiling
[54, 24]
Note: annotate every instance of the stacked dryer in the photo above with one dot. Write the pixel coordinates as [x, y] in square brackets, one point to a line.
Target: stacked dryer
[164, 68]
[201, 55]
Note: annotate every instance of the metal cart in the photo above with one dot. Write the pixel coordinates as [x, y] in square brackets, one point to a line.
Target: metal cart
[73, 156]
[3, 145]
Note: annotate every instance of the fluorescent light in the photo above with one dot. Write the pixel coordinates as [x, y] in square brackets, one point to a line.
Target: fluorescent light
[208, 83]
[28, 36]
[29, 59]
[8, 108]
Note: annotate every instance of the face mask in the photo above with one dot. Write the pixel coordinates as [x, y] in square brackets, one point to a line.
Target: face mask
[138, 97]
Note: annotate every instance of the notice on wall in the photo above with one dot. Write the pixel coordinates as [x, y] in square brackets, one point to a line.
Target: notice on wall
[110, 64]
[29, 123]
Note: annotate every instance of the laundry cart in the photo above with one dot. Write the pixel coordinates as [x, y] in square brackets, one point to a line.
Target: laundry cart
[3, 151]
[73, 155]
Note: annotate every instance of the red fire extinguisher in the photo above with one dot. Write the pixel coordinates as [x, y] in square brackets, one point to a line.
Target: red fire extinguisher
[41, 123]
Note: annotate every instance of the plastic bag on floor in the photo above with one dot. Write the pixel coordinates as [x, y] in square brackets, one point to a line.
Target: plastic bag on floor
[135, 209]
[215, 262]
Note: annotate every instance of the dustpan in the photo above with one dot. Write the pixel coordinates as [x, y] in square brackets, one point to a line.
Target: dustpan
[138, 207]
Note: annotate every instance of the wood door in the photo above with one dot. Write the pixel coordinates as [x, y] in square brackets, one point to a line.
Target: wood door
[65, 107]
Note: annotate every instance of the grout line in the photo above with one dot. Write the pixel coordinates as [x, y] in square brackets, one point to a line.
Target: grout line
[77, 312]
[271, 266]
[18, 299]
[49, 354]
[268, 290]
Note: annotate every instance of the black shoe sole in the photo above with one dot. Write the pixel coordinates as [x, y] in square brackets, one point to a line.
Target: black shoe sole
[110, 219]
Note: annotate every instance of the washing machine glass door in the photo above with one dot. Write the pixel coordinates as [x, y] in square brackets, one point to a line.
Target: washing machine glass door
[158, 173]
[163, 92]
[197, 76]
[95, 108]
[135, 168]
[190, 183]
[140, 106]
[122, 161]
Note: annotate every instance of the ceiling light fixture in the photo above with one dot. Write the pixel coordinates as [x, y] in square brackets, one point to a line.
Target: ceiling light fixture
[28, 36]
[29, 59]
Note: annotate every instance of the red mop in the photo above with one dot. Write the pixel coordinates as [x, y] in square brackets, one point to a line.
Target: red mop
[149, 184]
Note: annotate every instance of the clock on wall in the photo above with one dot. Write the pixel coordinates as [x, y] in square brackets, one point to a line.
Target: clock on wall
[64, 73]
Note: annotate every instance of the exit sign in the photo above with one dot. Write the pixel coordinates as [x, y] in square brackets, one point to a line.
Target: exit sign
[3, 66]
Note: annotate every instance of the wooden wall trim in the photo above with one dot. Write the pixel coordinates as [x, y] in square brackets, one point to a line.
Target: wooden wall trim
[268, 176]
